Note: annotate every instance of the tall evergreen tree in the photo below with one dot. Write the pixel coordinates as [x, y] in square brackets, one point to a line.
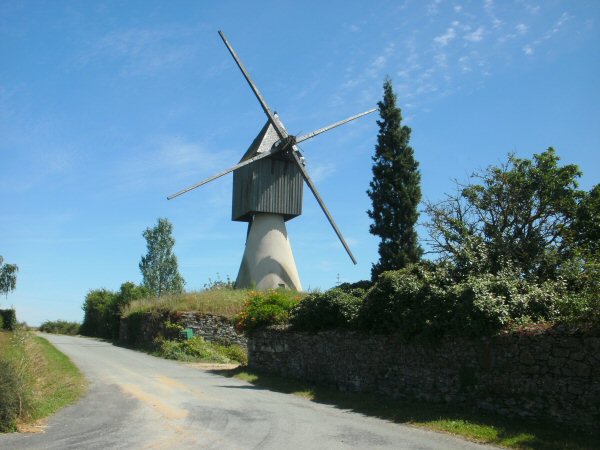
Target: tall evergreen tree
[395, 190]
[159, 266]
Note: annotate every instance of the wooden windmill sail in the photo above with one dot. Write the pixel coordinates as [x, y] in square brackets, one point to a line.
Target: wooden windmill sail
[267, 191]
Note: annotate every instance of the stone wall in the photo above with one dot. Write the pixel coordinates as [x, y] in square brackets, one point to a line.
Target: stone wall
[546, 374]
[142, 330]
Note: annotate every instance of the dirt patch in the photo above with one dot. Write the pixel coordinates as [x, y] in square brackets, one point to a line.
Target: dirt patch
[212, 366]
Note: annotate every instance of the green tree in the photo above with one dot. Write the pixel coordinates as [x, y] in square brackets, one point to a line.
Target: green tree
[159, 266]
[395, 190]
[586, 227]
[514, 215]
[97, 313]
[8, 277]
[128, 292]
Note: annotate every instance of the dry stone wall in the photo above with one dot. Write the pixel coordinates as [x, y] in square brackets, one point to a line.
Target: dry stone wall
[547, 374]
[142, 331]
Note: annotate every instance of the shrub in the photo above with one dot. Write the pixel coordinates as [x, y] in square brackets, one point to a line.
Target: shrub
[9, 319]
[60, 327]
[262, 309]
[332, 309]
[9, 396]
[193, 349]
[410, 301]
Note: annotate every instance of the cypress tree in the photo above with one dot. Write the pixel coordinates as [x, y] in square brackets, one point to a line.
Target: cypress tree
[395, 190]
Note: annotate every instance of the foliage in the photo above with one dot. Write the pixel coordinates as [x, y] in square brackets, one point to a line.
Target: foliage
[426, 301]
[197, 349]
[358, 288]
[333, 309]
[262, 309]
[395, 190]
[159, 267]
[103, 309]
[9, 319]
[60, 327]
[514, 215]
[96, 319]
[586, 226]
[8, 277]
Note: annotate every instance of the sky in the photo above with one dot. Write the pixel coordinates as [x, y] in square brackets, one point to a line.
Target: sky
[107, 107]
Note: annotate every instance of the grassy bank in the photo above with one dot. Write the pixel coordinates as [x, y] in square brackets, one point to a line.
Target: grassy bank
[35, 380]
[223, 302]
[454, 419]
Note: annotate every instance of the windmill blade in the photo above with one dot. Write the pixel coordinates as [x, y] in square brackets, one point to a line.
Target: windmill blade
[313, 188]
[329, 127]
[280, 130]
[225, 172]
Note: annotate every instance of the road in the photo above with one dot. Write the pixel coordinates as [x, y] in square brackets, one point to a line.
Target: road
[137, 401]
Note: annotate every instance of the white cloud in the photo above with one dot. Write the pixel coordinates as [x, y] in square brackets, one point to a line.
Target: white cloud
[521, 28]
[433, 7]
[445, 38]
[476, 35]
[528, 50]
[145, 50]
[172, 159]
[320, 172]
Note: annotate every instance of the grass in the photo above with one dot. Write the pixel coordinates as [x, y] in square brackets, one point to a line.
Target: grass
[454, 419]
[222, 302]
[44, 379]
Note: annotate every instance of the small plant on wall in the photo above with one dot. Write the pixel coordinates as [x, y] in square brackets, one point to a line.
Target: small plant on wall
[262, 309]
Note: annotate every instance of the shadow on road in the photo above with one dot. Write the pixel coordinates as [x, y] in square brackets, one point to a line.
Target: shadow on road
[440, 416]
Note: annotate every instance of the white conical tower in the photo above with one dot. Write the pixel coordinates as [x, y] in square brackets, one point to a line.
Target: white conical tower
[268, 262]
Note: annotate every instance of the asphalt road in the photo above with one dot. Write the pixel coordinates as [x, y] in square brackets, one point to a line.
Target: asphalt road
[136, 401]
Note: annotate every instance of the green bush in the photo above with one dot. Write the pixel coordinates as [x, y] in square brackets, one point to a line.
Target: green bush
[425, 300]
[332, 309]
[408, 302]
[102, 309]
[197, 349]
[262, 309]
[9, 319]
[9, 396]
[60, 327]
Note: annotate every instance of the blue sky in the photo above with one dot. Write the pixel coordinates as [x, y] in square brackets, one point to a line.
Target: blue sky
[108, 107]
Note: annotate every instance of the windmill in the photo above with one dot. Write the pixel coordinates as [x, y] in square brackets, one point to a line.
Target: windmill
[267, 191]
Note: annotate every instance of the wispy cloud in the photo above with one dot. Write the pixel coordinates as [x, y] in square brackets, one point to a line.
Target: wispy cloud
[321, 171]
[145, 50]
[172, 159]
[476, 35]
[449, 35]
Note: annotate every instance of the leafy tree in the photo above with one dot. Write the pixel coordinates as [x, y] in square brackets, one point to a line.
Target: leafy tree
[586, 227]
[395, 190]
[96, 316]
[8, 277]
[128, 292]
[159, 266]
[514, 215]
[102, 309]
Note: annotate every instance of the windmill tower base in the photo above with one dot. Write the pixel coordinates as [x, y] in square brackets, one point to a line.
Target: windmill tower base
[268, 262]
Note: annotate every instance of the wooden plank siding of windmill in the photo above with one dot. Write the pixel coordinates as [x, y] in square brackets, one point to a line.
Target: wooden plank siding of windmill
[271, 185]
